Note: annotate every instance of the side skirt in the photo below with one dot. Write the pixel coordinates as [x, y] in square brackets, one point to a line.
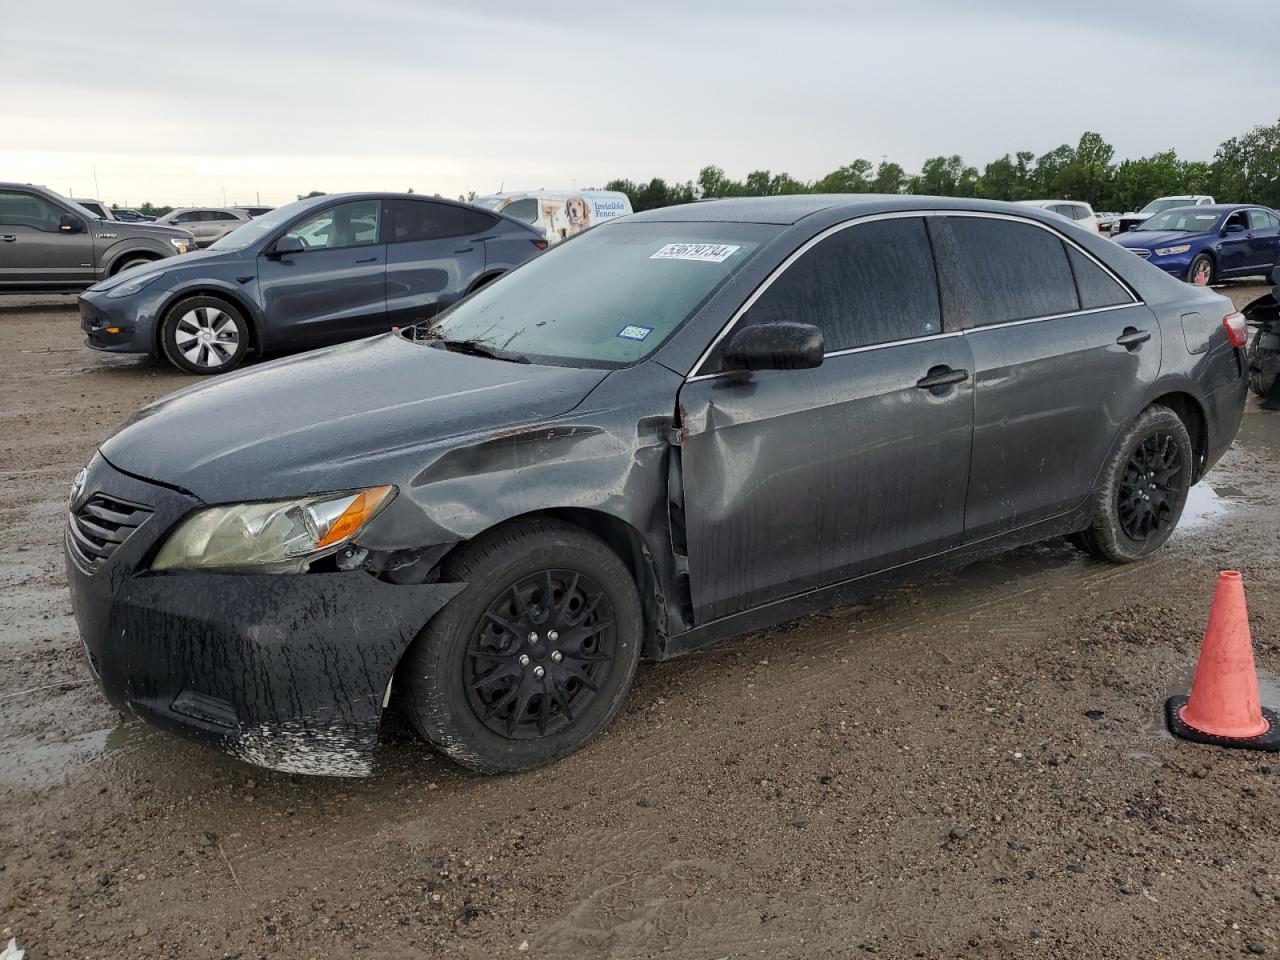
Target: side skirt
[861, 588]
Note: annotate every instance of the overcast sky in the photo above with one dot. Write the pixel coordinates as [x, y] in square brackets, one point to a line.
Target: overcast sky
[174, 102]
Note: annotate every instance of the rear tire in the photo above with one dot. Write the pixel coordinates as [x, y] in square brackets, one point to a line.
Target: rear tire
[1142, 490]
[204, 335]
[533, 658]
[1201, 270]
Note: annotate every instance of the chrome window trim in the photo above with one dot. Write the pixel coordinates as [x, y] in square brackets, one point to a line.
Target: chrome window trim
[900, 215]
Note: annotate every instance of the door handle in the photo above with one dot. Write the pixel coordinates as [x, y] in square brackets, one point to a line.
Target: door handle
[464, 250]
[8, 238]
[368, 260]
[1132, 337]
[942, 377]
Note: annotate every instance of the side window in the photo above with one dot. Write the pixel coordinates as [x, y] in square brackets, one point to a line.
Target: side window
[353, 224]
[1237, 219]
[191, 216]
[27, 210]
[1272, 219]
[1080, 212]
[477, 221]
[1258, 220]
[1095, 285]
[426, 220]
[866, 284]
[526, 210]
[223, 215]
[1003, 270]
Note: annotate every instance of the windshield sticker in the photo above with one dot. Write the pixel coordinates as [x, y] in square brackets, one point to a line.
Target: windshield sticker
[704, 252]
[634, 332]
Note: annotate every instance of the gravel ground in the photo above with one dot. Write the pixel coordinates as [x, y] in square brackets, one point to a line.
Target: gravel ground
[970, 768]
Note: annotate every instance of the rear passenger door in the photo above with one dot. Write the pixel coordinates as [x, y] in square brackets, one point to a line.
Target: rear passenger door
[1063, 355]
[795, 479]
[435, 252]
[1262, 225]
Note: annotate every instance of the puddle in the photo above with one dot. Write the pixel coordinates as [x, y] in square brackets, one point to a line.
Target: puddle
[37, 764]
[1207, 504]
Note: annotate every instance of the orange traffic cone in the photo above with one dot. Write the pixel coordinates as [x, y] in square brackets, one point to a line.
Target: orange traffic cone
[1224, 707]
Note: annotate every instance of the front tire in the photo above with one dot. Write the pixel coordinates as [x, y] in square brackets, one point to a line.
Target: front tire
[1201, 270]
[204, 335]
[1143, 488]
[130, 262]
[534, 657]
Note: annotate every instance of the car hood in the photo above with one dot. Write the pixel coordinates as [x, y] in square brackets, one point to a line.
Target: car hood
[357, 414]
[1149, 239]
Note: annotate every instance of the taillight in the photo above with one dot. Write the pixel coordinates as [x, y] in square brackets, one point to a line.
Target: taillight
[1237, 329]
[540, 244]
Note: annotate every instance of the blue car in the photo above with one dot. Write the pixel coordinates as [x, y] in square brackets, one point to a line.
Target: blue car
[1203, 245]
[311, 273]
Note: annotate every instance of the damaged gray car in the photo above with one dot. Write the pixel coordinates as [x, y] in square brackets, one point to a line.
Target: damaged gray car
[674, 428]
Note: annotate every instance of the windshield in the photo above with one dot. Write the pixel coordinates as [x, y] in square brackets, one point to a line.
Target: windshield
[1155, 206]
[608, 297]
[1184, 219]
[254, 230]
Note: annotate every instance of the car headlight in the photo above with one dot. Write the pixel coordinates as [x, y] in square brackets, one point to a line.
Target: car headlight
[181, 244]
[1170, 251]
[273, 536]
[133, 286]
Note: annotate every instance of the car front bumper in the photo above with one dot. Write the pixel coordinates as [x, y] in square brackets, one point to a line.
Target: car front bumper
[116, 326]
[285, 671]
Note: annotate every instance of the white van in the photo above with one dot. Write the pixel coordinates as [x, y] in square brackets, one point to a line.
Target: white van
[559, 214]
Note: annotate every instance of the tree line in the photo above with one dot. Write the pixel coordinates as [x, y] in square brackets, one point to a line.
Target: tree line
[1244, 169]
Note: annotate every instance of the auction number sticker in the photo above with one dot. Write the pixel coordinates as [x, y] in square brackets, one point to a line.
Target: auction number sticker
[634, 331]
[704, 252]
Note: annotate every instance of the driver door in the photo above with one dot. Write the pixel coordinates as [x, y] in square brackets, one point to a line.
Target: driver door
[796, 479]
[333, 289]
[34, 248]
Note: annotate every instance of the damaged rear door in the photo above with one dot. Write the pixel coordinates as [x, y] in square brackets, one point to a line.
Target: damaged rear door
[795, 479]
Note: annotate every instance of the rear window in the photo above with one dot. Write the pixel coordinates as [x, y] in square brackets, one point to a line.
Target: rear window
[526, 210]
[1003, 270]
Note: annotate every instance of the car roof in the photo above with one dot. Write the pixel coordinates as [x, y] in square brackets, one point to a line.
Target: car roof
[791, 209]
[1036, 203]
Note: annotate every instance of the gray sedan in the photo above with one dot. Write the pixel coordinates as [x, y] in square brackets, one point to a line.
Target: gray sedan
[674, 428]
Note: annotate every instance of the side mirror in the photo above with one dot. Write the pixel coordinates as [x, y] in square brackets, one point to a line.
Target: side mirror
[70, 224]
[776, 346]
[286, 245]
[1232, 228]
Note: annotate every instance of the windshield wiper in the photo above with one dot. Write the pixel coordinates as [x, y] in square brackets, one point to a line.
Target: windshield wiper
[477, 349]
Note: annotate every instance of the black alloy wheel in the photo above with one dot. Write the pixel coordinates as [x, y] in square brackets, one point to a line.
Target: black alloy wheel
[534, 657]
[543, 650]
[1150, 487]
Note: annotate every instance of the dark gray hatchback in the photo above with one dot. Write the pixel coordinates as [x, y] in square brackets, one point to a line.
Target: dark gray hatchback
[762, 407]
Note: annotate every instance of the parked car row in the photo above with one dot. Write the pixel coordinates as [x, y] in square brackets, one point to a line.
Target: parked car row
[763, 407]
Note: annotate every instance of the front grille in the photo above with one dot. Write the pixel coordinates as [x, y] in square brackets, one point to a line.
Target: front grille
[1144, 254]
[100, 524]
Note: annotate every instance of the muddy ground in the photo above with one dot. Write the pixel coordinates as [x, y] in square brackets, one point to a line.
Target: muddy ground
[969, 768]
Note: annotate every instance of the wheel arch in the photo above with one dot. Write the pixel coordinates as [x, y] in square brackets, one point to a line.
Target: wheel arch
[209, 290]
[1193, 417]
[625, 541]
[485, 279]
[135, 253]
